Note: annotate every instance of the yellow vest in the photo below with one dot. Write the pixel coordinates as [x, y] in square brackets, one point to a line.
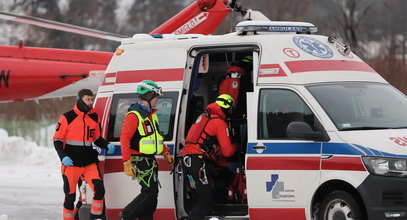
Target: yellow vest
[151, 141]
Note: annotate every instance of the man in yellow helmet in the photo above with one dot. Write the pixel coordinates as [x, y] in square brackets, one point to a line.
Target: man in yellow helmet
[209, 131]
[140, 140]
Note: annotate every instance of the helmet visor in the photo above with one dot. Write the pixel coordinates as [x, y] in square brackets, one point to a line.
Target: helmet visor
[160, 91]
[224, 103]
[157, 91]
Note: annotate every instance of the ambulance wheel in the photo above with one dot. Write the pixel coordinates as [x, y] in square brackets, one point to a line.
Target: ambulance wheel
[340, 205]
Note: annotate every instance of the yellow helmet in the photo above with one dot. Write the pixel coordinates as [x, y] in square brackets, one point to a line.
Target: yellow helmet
[225, 101]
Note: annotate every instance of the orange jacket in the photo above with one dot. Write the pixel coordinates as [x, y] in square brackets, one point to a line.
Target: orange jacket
[74, 135]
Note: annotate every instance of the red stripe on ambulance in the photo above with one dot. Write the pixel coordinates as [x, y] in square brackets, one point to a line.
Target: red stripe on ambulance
[116, 165]
[100, 108]
[100, 105]
[280, 213]
[343, 163]
[327, 65]
[283, 163]
[157, 75]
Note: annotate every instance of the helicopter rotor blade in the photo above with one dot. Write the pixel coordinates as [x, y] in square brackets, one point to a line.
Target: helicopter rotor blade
[40, 22]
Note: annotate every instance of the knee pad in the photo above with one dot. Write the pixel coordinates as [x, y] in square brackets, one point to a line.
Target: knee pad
[99, 189]
[66, 184]
[69, 201]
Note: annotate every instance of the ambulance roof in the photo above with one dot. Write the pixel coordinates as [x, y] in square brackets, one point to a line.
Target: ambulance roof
[285, 56]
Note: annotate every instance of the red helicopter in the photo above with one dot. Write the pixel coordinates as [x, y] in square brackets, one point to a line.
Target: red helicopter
[36, 73]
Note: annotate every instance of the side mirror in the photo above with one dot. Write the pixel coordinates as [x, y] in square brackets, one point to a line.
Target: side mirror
[302, 131]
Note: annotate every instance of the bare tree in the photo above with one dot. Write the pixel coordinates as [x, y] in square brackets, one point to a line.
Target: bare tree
[281, 10]
[391, 62]
[146, 15]
[351, 14]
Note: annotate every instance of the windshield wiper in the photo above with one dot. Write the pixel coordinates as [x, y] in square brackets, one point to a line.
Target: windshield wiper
[364, 128]
[401, 127]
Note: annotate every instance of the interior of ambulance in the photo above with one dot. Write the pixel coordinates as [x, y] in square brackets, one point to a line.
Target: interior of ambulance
[277, 108]
[207, 76]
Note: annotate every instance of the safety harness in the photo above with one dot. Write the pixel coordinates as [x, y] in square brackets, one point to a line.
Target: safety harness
[145, 175]
[208, 143]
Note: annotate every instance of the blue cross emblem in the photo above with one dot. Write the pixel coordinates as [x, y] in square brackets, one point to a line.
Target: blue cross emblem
[313, 47]
[272, 183]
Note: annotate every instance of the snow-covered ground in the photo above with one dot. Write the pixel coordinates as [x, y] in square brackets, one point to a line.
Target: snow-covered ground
[30, 180]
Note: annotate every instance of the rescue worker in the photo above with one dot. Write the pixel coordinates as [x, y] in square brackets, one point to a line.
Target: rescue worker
[77, 132]
[208, 133]
[140, 141]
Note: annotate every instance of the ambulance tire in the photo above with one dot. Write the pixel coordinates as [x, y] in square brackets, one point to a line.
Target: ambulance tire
[339, 205]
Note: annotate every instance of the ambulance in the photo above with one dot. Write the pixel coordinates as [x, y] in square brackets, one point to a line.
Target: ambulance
[322, 135]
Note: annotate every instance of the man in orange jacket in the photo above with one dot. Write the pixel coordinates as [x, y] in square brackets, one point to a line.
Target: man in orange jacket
[76, 134]
[209, 130]
[140, 140]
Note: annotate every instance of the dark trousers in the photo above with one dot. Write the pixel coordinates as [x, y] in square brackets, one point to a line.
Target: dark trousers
[203, 195]
[145, 204]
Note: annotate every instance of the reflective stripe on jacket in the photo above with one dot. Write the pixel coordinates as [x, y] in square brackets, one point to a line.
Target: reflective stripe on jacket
[77, 130]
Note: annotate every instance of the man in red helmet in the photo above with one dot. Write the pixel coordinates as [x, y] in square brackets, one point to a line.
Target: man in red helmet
[209, 131]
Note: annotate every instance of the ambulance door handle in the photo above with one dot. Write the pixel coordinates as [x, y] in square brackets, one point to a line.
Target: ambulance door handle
[261, 147]
[326, 156]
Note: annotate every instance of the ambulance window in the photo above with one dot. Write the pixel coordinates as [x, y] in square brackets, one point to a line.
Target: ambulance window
[277, 108]
[166, 114]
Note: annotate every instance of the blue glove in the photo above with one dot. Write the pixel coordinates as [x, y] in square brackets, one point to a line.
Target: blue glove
[110, 148]
[67, 161]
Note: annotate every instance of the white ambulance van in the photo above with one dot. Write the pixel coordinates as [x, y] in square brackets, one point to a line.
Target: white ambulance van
[323, 135]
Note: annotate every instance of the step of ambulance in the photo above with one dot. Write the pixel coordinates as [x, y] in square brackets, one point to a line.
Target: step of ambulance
[229, 210]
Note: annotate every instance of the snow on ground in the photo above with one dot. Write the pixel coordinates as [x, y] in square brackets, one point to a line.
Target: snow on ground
[30, 180]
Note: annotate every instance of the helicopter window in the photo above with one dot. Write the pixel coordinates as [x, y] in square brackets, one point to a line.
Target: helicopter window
[166, 114]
